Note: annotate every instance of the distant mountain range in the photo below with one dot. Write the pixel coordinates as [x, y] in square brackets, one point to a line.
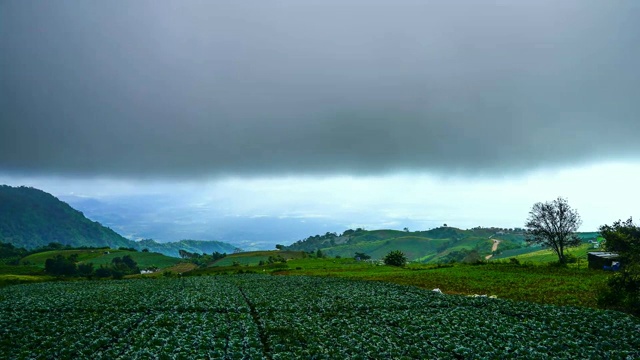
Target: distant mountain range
[32, 218]
[441, 244]
[166, 217]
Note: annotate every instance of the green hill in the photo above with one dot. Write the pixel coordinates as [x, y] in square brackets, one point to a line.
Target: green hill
[31, 218]
[103, 257]
[442, 244]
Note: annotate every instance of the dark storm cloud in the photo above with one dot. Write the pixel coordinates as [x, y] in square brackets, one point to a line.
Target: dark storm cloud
[190, 88]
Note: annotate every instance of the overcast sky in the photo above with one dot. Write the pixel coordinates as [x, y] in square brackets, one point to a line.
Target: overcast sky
[463, 112]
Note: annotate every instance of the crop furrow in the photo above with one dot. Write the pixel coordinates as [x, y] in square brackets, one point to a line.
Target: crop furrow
[123, 334]
[262, 334]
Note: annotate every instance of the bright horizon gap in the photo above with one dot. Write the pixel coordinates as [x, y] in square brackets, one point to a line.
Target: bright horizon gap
[195, 209]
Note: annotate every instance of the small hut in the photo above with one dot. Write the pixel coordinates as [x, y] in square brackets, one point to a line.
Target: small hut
[599, 259]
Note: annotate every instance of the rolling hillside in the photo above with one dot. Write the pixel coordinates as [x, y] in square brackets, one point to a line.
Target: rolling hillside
[441, 244]
[255, 257]
[103, 257]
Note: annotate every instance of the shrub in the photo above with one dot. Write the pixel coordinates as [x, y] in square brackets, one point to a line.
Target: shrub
[570, 258]
[472, 258]
[395, 258]
[103, 272]
[361, 256]
[623, 287]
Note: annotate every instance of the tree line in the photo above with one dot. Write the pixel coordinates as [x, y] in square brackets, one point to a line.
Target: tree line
[68, 266]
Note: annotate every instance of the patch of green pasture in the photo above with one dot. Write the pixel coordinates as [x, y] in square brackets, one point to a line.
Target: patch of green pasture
[412, 246]
[40, 258]
[254, 257]
[242, 260]
[535, 283]
[505, 254]
[547, 255]
[20, 270]
[11, 279]
[144, 259]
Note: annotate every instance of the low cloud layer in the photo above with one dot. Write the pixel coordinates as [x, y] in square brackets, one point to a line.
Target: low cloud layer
[183, 89]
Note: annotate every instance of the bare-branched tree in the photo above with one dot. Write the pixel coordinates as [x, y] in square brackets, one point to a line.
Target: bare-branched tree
[553, 224]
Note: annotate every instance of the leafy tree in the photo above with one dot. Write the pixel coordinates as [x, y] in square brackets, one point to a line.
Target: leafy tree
[319, 254]
[103, 272]
[10, 254]
[61, 266]
[456, 256]
[395, 258]
[216, 255]
[623, 292]
[126, 265]
[117, 274]
[85, 270]
[279, 246]
[361, 256]
[553, 224]
[129, 262]
[473, 257]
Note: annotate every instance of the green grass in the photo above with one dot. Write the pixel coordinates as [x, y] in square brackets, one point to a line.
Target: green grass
[98, 257]
[416, 248]
[547, 256]
[253, 258]
[21, 270]
[413, 247]
[38, 259]
[12, 279]
[505, 254]
[144, 259]
[535, 283]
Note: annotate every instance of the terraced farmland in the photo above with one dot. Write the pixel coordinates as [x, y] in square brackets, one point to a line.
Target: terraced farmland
[278, 317]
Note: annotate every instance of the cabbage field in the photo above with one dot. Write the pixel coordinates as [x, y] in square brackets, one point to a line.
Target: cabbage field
[294, 317]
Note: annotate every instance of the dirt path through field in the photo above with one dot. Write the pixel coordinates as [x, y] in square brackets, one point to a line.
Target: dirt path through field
[493, 248]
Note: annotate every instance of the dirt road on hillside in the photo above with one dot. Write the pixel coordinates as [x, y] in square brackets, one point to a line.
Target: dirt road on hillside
[493, 248]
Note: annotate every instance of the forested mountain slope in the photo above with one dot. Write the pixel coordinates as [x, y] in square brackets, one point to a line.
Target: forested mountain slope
[31, 218]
